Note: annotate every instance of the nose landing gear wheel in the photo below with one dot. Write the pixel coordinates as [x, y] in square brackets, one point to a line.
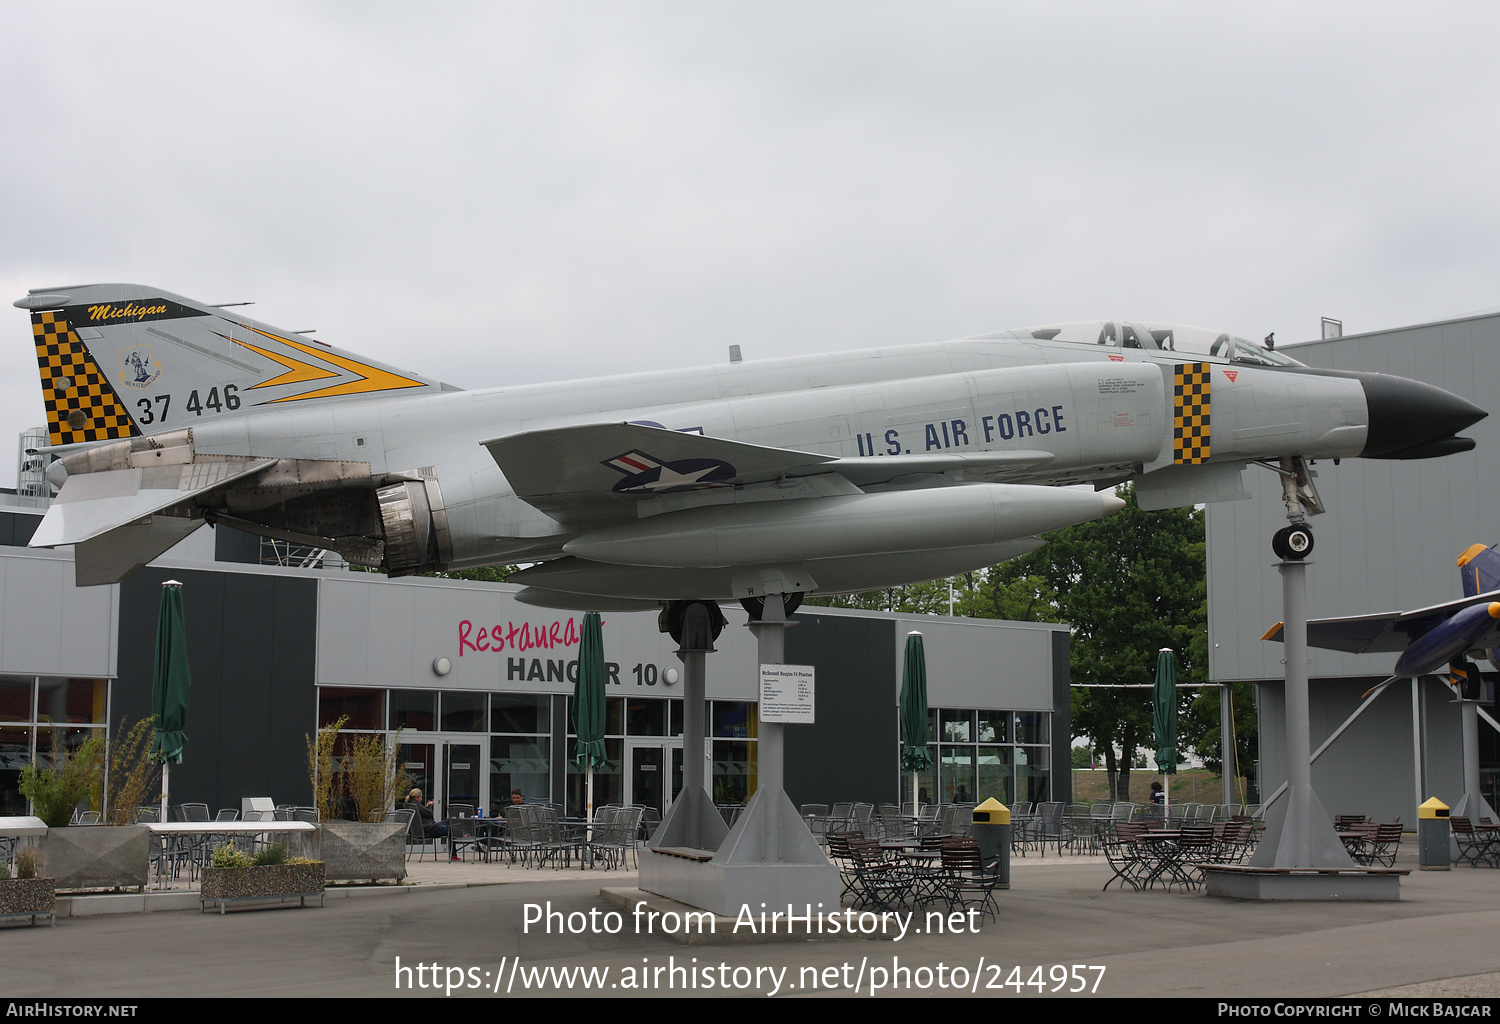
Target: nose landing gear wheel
[1293, 543]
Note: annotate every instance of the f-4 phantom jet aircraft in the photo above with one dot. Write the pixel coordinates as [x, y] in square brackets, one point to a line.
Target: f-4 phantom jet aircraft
[810, 474]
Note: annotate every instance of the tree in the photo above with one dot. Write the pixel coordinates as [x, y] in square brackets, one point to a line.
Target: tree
[1129, 584]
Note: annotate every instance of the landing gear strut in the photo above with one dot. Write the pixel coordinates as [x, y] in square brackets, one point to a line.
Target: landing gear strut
[1294, 542]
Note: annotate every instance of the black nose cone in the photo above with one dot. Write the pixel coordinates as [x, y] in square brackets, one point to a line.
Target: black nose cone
[1412, 420]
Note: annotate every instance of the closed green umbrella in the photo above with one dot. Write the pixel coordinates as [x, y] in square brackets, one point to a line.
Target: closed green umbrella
[914, 755]
[170, 683]
[588, 705]
[1164, 717]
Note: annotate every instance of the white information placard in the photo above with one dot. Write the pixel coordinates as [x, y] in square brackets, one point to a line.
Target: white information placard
[786, 693]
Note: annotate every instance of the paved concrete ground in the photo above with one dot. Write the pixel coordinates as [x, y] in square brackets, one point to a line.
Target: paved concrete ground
[1438, 940]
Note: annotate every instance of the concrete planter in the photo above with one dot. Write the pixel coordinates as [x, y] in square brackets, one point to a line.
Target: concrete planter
[357, 851]
[26, 896]
[97, 856]
[272, 881]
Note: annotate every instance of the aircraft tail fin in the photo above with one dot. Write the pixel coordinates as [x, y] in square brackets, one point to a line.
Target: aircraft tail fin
[120, 360]
[1479, 567]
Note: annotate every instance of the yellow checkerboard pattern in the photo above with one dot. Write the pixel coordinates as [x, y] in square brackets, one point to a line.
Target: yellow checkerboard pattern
[87, 410]
[1190, 407]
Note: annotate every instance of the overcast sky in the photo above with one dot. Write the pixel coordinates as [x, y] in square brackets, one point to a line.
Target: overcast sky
[499, 193]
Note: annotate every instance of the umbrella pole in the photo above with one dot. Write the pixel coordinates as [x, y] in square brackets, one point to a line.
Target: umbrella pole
[166, 776]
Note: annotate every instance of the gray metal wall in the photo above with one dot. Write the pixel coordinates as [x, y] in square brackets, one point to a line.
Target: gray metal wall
[1389, 540]
[50, 627]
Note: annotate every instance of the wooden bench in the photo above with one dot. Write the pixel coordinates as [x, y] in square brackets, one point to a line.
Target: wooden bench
[687, 853]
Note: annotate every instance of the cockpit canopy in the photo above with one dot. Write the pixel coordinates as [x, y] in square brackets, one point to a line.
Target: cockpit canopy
[1155, 337]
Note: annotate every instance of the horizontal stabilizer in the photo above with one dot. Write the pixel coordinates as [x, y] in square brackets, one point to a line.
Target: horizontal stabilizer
[112, 556]
[92, 504]
[595, 467]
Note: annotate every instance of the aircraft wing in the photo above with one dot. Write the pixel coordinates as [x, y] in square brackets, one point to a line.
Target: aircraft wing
[1383, 632]
[603, 470]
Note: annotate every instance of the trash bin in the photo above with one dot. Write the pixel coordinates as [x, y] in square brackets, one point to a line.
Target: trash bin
[992, 833]
[1434, 836]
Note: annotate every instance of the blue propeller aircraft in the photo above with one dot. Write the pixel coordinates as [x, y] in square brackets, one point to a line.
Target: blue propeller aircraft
[1431, 638]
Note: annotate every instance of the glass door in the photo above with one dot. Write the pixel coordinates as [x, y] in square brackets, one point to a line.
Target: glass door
[462, 775]
[653, 772]
[447, 771]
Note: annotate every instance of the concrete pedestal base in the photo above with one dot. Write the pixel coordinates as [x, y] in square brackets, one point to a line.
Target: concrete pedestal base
[726, 888]
[1249, 883]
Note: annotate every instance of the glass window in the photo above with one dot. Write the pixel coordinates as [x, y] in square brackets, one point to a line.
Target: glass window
[958, 774]
[734, 776]
[994, 727]
[1031, 726]
[994, 774]
[645, 717]
[75, 701]
[1032, 773]
[414, 709]
[463, 711]
[364, 708]
[15, 754]
[522, 764]
[676, 718]
[734, 719]
[958, 726]
[521, 712]
[15, 699]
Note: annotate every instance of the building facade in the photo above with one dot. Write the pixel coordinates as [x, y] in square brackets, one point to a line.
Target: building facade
[476, 686]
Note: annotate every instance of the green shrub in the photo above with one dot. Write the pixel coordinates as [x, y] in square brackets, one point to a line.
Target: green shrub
[229, 857]
[55, 791]
[266, 856]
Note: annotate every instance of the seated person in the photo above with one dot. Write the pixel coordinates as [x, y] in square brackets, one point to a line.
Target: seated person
[430, 829]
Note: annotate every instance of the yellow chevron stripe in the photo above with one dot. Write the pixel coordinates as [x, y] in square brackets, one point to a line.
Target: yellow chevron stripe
[367, 378]
[370, 378]
[297, 371]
